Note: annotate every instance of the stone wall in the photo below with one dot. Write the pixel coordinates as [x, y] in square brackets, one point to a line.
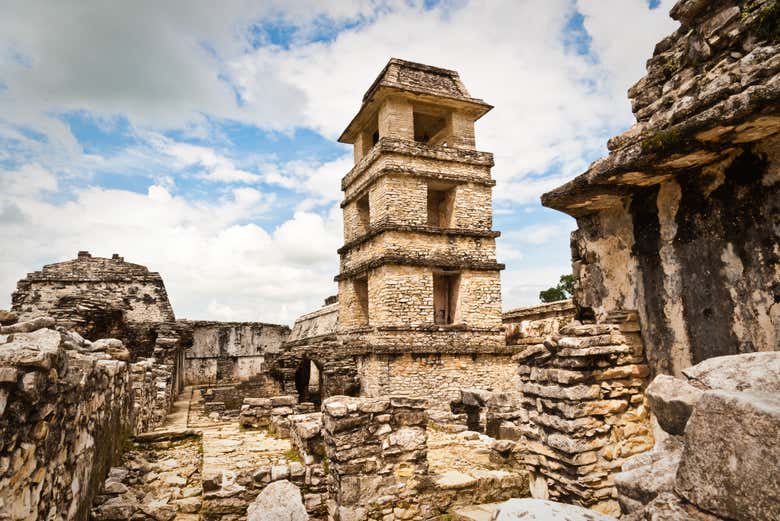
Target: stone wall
[66, 409]
[224, 352]
[679, 221]
[85, 294]
[579, 412]
[379, 464]
[436, 377]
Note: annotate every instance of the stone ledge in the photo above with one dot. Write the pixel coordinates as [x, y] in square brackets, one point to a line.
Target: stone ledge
[388, 145]
[411, 261]
[393, 169]
[424, 229]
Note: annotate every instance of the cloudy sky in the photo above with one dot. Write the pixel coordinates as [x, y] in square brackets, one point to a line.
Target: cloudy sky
[198, 137]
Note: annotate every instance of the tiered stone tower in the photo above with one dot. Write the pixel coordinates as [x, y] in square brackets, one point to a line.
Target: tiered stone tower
[418, 272]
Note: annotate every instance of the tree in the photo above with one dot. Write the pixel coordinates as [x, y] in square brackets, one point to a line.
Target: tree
[561, 291]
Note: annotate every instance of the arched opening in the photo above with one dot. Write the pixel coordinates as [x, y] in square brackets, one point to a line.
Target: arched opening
[308, 382]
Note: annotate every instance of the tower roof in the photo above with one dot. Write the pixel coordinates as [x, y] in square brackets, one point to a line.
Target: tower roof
[432, 84]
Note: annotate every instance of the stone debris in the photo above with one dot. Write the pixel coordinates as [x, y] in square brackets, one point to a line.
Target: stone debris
[279, 501]
[156, 480]
[723, 458]
[543, 510]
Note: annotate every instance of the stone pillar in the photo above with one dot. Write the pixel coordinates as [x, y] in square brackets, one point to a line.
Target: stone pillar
[396, 119]
[461, 127]
[377, 456]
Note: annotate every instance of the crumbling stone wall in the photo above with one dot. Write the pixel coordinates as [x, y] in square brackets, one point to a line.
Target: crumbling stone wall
[579, 412]
[66, 408]
[680, 220]
[93, 295]
[377, 458]
[532, 324]
[224, 352]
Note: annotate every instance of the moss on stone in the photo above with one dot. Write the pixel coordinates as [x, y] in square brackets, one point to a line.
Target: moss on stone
[662, 141]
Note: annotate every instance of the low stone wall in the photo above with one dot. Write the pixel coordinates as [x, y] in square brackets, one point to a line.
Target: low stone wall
[66, 408]
[377, 456]
[579, 412]
[272, 413]
[437, 377]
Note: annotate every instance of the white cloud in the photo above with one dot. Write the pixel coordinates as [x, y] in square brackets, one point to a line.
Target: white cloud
[215, 166]
[202, 250]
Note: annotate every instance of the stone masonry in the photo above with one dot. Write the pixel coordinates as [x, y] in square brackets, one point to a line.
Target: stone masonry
[418, 272]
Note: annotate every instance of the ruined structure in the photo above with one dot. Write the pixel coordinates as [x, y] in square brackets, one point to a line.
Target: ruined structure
[419, 287]
[453, 406]
[679, 222]
[98, 298]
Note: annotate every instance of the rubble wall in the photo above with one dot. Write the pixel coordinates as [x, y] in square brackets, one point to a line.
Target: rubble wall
[64, 417]
[577, 413]
[436, 377]
[532, 324]
[224, 352]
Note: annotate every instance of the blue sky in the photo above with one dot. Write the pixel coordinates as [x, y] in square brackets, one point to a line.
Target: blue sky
[202, 142]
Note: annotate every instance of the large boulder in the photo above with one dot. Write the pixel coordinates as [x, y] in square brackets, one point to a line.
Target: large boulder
[758, 372]
[279, 501]
[7, 317]
[731, 455]
[672, 401]
[543, 510]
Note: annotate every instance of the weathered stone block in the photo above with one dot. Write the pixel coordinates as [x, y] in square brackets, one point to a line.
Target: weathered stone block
[731, 455]
[672, 401]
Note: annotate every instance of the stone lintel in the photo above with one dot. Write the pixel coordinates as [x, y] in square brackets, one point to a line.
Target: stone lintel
[711, 136]
[400, 260]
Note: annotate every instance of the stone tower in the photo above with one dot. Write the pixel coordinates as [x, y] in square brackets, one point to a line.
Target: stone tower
[418, 272]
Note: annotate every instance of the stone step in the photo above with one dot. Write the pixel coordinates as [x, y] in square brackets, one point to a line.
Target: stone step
[474, 512]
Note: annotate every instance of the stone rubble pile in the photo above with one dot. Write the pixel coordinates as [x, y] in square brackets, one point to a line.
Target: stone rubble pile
[719, 455]
[66, 407]
[579, 414]
[155, 481]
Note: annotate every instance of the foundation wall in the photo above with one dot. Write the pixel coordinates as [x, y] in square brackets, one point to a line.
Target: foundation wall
[437, 378]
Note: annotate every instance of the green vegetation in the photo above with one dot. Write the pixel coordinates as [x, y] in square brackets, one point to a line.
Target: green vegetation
[563, 290]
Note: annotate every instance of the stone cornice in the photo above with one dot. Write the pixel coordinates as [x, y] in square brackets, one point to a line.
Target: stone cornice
[431, 262]
[405, 147]
[415, 172]
[423, 229]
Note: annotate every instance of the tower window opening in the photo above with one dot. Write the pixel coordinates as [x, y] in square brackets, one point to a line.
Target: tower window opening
[429, 129]
[446, 286]
[361, 297]
[440, 204]
[363, 214]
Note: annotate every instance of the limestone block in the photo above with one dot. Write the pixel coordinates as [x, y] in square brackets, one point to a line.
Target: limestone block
[28, 326]
[543, 510]
[731, 455]
[758, 372]
[672, 401]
